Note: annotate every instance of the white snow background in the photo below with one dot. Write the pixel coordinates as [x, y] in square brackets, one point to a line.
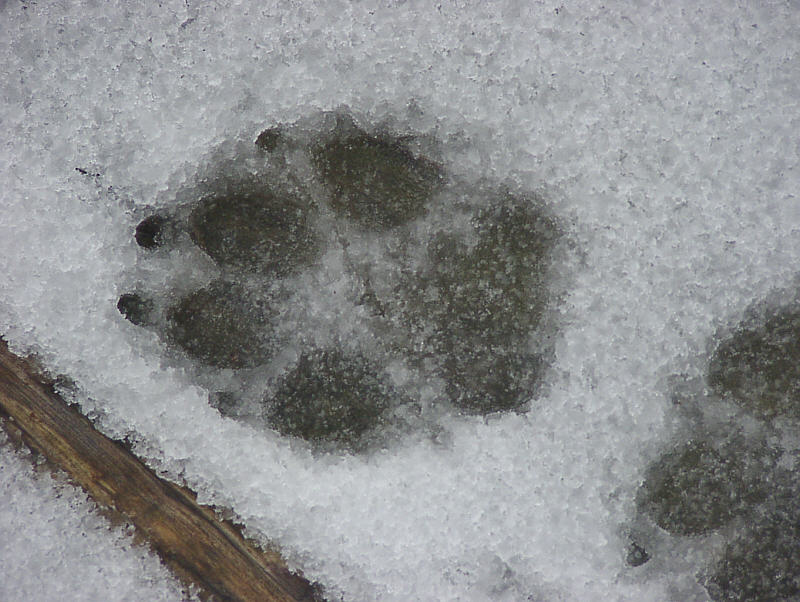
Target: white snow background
[54, 546]
[665, 136]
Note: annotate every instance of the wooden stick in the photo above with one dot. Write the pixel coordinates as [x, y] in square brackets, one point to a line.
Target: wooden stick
[208, 552]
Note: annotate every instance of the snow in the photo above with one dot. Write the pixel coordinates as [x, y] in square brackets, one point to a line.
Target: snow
[661, 138]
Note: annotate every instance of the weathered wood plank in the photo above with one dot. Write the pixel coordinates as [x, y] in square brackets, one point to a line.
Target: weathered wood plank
[210, 553]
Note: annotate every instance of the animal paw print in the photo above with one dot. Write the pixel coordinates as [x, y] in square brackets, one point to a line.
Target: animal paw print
[336, 284]
[741, 479]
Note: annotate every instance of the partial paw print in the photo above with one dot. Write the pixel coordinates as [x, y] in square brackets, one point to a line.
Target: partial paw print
[334, 283]
[739, 475]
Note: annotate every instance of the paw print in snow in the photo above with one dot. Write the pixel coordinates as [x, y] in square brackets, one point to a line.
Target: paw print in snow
[336, 284]
[741, 478]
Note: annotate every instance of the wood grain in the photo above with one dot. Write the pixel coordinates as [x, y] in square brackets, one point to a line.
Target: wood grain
[199, 547]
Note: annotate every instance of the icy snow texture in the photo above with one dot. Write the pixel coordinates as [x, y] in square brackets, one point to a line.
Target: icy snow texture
[54, 545]
[664, 137]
